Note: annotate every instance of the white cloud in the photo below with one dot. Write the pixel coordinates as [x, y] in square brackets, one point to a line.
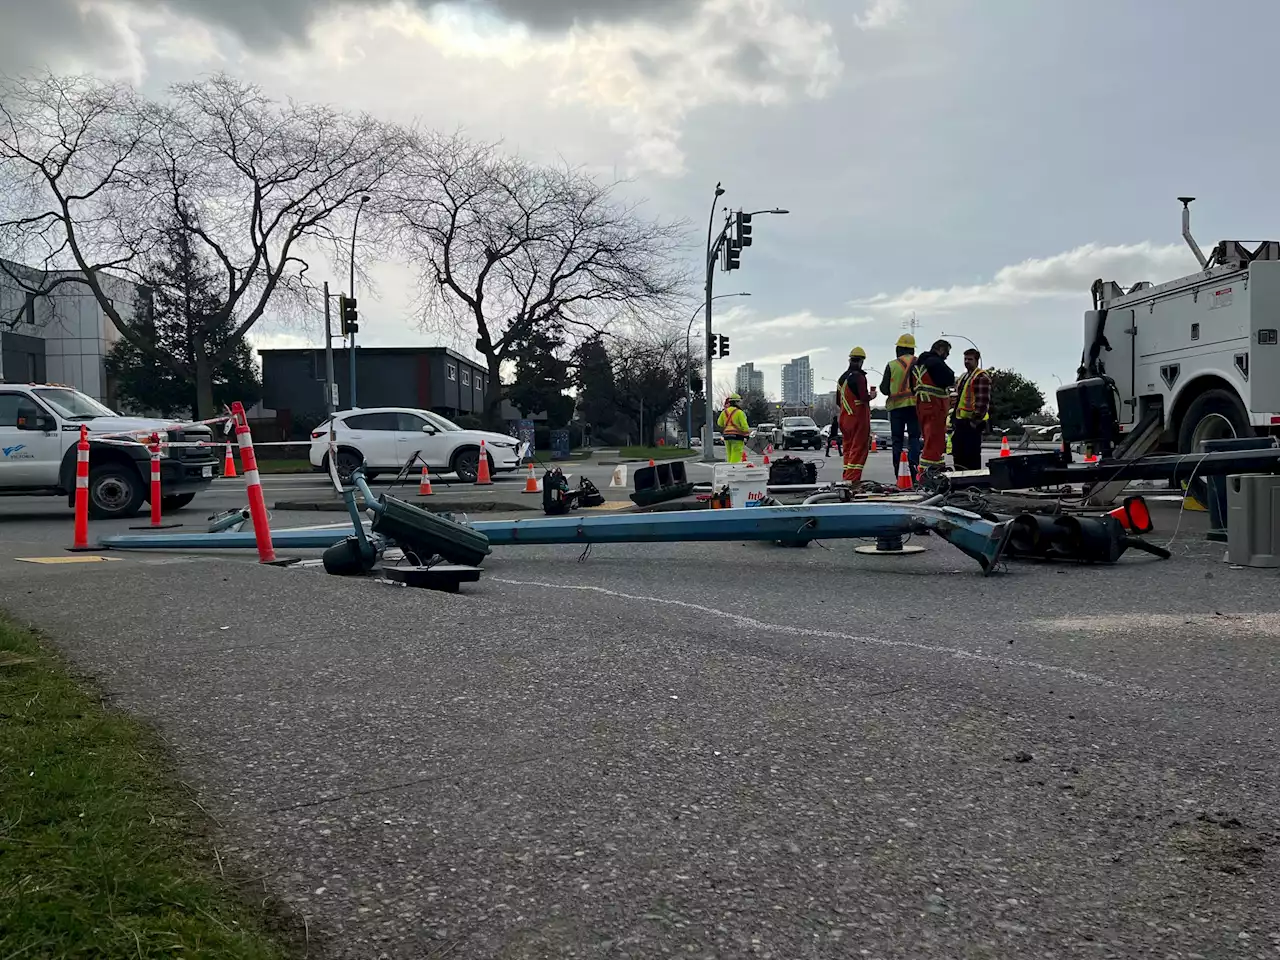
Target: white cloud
[1067, 274]
[776, 359]
[743, 322]
[880, 14]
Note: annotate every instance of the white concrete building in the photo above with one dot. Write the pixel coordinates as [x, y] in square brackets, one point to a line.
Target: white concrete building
[797, 382]
[62, 336]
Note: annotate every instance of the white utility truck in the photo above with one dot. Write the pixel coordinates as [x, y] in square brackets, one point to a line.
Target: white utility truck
[1193, 359]
[40, 428]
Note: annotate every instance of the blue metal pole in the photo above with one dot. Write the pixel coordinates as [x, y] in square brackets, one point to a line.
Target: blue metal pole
[979, 539]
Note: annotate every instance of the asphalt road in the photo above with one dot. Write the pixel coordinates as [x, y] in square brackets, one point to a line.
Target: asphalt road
[728, 750]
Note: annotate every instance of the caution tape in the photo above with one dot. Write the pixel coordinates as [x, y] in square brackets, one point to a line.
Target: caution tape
[225, 418]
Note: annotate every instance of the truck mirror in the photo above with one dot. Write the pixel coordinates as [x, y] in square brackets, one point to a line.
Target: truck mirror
[37, 422]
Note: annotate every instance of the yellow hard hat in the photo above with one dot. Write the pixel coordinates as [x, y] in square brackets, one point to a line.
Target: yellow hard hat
[907, 340]
[733, 398]
[857, 352]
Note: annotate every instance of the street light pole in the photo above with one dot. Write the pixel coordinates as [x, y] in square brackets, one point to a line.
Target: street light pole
[688, 362]
[351, 292]
[708, 445]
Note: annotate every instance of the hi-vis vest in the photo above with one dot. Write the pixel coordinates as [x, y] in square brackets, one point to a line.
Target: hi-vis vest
[900, 394]
[849, 401]
[730, 418]
[924, 386]
[966, 405]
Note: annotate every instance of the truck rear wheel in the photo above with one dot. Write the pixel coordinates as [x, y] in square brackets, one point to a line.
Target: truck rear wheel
[1214, 415]
[115, 491]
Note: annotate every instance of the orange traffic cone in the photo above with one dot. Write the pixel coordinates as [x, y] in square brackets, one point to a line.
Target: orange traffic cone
[767, 450]
[229, 465]
[873, 443]
[1004, 446]
[424, 485]
[531, 483]
[1134, 515]
[482, 469]
[904, 473]
[651, 461]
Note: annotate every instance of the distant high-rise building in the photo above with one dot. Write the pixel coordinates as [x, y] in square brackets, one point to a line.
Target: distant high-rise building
[749, 379]
[797, 382]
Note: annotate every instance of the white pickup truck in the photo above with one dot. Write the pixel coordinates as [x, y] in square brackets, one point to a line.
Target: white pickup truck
[39, 430]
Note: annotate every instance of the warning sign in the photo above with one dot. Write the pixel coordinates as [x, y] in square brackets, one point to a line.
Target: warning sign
[1221, 298]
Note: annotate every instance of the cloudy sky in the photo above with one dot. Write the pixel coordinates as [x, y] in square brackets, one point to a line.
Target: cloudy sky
[974, 162]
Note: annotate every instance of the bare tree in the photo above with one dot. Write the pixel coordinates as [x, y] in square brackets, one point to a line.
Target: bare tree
[93, 177]
[506, 247]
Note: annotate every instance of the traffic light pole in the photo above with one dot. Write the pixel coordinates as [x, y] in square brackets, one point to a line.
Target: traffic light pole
[329, 402]
[713, 251]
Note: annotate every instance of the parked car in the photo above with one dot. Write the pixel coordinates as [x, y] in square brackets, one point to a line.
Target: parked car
[39, 434]
[800, 432]
[881, 430]
[383, 439]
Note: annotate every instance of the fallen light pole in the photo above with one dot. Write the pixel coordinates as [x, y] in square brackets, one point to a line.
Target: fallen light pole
[979, 539]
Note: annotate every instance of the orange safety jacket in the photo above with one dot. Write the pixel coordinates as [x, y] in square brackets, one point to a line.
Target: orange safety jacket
[924, 385]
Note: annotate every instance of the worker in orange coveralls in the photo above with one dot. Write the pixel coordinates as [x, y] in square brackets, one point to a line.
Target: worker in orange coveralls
[933, 382]
[855, 415]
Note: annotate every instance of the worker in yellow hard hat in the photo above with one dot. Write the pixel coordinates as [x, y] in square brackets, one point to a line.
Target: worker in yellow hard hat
[855, 415]
[733, 427]
[904, 425]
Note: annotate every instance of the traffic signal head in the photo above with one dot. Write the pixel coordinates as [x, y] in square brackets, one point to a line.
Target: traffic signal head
[743, 224]
[732, 255]
[713, 344]
[350, 319]
[724, 346]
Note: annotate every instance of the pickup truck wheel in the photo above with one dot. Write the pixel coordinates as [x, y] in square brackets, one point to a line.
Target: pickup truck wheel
[115, 492]
[1214, 415]
[176, 502]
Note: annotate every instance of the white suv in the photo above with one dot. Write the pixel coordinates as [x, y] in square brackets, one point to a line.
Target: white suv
[383, 439]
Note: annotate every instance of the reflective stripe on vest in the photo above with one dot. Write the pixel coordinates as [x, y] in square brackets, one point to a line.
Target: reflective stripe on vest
[848, 400]
[966, 405]
[728, 428]
[924, 388]
[900, 394]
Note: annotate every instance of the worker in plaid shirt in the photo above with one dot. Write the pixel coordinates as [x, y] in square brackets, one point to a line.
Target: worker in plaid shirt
[970, 414]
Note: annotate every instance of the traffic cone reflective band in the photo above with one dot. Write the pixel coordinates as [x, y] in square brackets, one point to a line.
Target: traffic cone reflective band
[229, 464]
[82, 491]
[482, 469]
[904, 472]
[424, 484]
[531, 484]
[1004, 446]
[1133, 515]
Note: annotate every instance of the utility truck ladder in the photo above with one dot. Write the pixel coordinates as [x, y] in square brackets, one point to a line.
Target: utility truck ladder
[1138, 443]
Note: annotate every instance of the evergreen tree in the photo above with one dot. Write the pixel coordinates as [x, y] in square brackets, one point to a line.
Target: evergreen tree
[187, 333]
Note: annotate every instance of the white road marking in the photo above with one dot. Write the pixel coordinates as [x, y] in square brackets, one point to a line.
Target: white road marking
[957, 653]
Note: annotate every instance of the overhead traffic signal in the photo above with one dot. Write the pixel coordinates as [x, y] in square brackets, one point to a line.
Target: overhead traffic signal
[347, 312]
[742, 227]
[724, 347]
